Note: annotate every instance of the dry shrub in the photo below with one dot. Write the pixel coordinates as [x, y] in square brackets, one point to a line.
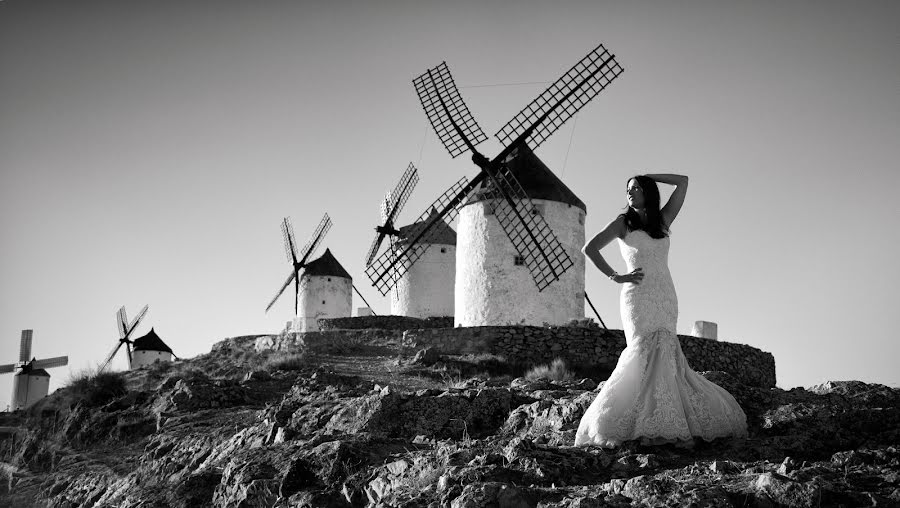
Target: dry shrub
[96, 389]
[557, 371]
[291, 362]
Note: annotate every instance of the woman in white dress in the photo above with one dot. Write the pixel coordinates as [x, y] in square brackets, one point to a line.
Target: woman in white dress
[652, 395]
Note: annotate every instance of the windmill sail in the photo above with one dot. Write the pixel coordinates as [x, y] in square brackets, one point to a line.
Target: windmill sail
[316, 239]
[122, 322]
[443, 106]
[48, 363]
[25, 345]
[137, 319]
[110, 356]
[561, 100]
[391, 206]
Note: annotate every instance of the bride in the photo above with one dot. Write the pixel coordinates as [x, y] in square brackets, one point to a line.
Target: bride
[652, 395]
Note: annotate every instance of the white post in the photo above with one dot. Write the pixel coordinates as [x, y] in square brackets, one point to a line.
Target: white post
[706, 330]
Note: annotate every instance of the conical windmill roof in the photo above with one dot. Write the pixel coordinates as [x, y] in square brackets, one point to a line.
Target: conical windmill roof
[537, 179]
[28, 370]
[326, 264]
[440, 233]
[151, 342]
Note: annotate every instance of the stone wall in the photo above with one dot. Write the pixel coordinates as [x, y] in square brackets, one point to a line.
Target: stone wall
[329, 341]
[590, 347]
[581, 347]
[384, 323]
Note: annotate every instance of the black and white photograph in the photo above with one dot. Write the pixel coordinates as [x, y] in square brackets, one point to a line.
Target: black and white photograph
[515, 254]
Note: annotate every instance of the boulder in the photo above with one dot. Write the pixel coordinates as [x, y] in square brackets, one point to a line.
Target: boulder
[493, 494]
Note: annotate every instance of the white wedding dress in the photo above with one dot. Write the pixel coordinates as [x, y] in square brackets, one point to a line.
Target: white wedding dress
[653, 395]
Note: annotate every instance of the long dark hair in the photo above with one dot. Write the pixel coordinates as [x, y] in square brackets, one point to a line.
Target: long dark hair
[655, 226]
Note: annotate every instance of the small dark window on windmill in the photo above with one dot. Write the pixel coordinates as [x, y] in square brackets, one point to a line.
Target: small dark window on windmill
[581, 219]
[323, 302]
[329, 279]
[443, 250]
[519, 260]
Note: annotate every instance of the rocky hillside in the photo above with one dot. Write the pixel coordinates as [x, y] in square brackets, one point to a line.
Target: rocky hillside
[368, 427]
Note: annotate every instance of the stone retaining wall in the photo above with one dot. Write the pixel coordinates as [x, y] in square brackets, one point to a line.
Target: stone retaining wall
[590, 347]
[581, 347]
[329, 341]
[384, 323]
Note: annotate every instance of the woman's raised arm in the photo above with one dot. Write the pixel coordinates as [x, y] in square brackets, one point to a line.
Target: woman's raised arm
[673, 206]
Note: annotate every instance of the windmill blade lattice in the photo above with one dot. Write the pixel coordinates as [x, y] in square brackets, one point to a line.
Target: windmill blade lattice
[400, 195]
[436, 86]
[110, 356]
[287, 233]
[25, 345]
[122, 322]
[561, 100]
[283, 287]
[384, 207]
[393, 264]
[526, 228]
[316, 239]
[48, 363]
[6, 369]
[391, 206]
[379, 236]
[137, 319]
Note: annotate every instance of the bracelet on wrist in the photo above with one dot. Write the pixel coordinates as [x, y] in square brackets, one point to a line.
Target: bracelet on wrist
[613, 276]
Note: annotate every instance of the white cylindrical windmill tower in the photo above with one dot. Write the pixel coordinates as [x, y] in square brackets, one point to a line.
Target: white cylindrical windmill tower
[326, 291]
[493, 286]
[426, 289]
[149, 349]
[29, 386]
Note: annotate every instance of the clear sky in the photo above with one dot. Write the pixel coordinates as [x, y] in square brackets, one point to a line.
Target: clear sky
[148, 151]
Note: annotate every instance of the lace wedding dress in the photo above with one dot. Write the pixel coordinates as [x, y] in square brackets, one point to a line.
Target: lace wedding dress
[653, 394]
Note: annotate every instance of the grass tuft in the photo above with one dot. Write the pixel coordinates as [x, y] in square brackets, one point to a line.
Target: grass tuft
[292, 362]
[556, 371]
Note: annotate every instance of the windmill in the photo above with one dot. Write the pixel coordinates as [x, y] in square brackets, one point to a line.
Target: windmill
[126, 328]
[535, 244]
[418, 293]
[301, 261]
[32, 382]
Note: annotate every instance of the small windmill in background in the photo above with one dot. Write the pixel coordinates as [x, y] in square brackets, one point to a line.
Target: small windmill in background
[126, 329]
[31, 383]
[421, 293]
[535, 244]
[391, 206]
[299, 261]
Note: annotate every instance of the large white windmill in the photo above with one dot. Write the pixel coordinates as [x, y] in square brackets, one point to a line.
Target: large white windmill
[126, 328]
[31, 383]
[520, 228]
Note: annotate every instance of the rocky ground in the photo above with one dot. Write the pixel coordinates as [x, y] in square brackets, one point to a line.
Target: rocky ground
[371, 428]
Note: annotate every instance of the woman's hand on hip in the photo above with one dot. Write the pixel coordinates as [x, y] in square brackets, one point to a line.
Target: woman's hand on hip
[633, 277]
